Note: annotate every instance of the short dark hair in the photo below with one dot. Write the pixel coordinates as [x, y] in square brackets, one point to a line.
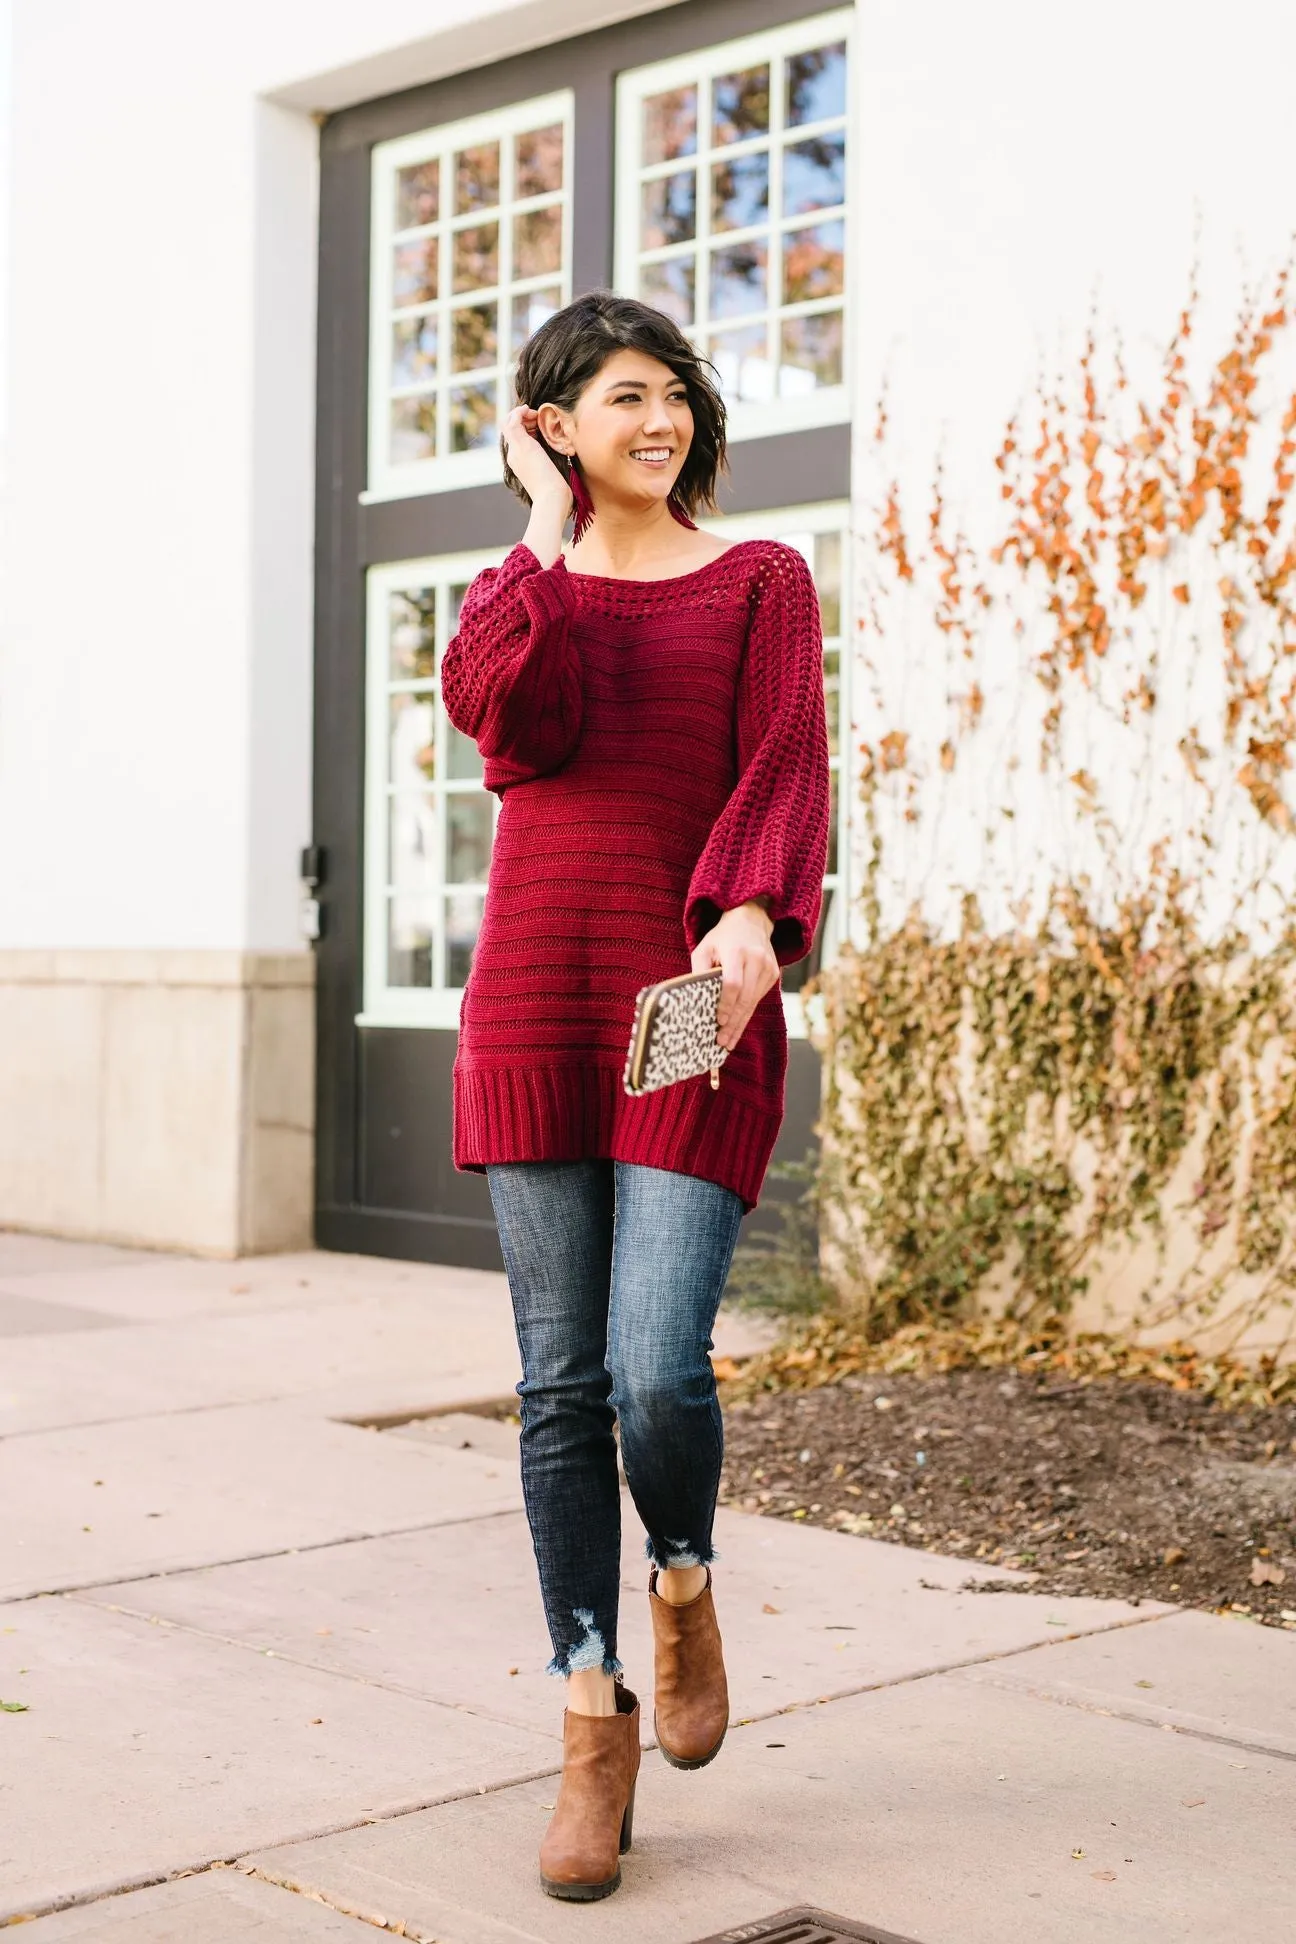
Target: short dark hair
[570, 349]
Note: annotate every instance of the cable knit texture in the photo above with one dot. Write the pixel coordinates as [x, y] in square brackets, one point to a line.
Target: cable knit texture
[660, 750]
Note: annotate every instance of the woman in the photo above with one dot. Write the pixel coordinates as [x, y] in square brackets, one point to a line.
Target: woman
[649, 707]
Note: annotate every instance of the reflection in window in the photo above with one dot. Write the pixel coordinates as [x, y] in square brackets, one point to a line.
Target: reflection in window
[471, 257]
[733, 205]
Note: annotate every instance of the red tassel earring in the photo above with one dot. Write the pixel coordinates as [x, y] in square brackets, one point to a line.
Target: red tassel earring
[678, 513]
[582, 505]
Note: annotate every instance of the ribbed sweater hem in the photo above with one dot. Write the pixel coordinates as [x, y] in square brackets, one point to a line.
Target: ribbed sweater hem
[575, 1113]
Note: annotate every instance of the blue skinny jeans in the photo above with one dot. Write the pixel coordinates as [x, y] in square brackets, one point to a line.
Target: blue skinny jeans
[616, 1272]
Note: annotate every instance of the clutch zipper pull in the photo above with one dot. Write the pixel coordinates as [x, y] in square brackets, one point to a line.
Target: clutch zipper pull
[715, 1074]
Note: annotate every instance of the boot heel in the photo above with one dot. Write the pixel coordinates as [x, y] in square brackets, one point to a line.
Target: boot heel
[627, 1822]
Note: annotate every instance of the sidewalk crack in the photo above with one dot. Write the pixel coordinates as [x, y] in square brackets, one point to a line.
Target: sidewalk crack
[291, 1659]
[249, 1559]
[1084, 1706]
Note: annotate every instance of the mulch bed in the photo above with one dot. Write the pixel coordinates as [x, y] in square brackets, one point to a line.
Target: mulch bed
[1112, 1487]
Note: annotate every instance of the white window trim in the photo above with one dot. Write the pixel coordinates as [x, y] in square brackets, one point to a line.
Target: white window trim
[414, 1006]
[451, 472]
[747, 419]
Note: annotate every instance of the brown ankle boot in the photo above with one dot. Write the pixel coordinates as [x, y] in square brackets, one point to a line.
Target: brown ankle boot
[690, 1693]
[594, 1815]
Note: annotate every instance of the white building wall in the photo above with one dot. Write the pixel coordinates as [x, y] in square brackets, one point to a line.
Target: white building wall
[1015, 164]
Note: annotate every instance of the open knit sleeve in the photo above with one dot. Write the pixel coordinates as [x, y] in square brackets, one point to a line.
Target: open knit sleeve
[771, 839]
[510, 676]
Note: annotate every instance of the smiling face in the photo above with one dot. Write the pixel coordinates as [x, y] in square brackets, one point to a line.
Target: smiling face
[631, 429]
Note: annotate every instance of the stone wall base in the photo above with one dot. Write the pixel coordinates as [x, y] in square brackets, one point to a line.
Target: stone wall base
[159, 1099]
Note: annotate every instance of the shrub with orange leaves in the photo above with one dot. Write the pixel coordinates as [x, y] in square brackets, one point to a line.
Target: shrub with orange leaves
[1102, 690]
[1071, 973]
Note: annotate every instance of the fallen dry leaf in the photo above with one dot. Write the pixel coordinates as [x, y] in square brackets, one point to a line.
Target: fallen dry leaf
[1265, 1573]
[1193, 1802]
[767, 1608]
[1172, 1555]
[725, 1368]
[1103, 1876]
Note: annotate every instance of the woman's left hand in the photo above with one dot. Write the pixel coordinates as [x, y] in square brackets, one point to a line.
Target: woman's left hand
[739, 945]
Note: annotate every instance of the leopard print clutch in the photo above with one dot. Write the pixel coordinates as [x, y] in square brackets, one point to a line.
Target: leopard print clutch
[673, 1035]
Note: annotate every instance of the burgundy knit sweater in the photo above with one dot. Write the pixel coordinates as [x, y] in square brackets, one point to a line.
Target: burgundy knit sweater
[661, 752]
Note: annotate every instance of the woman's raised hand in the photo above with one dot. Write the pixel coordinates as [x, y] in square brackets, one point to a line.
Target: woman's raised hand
[532, 464]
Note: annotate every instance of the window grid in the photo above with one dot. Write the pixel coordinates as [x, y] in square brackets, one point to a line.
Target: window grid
[476, 461]
[420, 910]
[782, 405]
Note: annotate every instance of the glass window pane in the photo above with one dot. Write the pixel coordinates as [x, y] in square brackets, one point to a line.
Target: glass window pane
[816, 84]
[828, 579]
[411, 746]
[476, 257]
[414, 273]
[738, 278]
[441, 311]
[538, 165]
[409, 941]
[814, 174]
[813, 260]
[537, 241]
[832, 699]
[413, 429]
[740, 105]
[740, 191]
[668, 210]
[476, 338]
[670, 125]
[463, 916]
[412, 827]
[811, 353]
[463, 758]
[472, 417]
[669, 286]
[530, 312]
[742, 359]
[477, 178]
[411, 633]
[418, 195]
[414, 350]
[468, 837]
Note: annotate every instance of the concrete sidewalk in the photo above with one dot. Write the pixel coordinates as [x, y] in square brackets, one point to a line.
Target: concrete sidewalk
[282, 1673]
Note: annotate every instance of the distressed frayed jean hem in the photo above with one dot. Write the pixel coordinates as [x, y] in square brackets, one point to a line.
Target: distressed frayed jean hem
[588, 1656]
[675, 1555]
[563, 1666]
